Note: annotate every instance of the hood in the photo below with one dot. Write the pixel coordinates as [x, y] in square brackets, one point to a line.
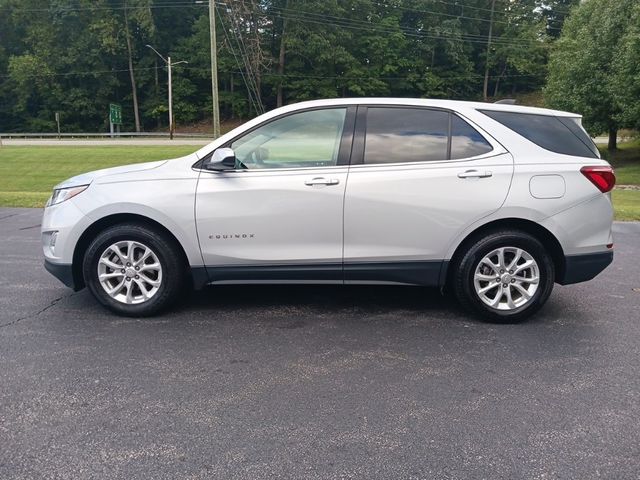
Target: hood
[87, 178]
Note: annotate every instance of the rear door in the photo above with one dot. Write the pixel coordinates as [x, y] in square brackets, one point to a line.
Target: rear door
[418, 177]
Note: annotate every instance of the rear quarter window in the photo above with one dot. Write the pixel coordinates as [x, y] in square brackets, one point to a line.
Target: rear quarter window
[466, 141]
[556, 134]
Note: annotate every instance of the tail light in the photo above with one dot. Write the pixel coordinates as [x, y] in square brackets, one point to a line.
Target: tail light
[601, 177]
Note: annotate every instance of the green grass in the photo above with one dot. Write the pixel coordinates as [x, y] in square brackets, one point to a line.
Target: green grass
[625, 161]
[627, 204]
[27, 174]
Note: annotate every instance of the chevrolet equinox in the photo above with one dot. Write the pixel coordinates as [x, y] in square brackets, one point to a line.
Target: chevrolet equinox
[494, 202]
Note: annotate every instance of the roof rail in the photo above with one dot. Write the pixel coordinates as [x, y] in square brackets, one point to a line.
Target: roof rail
[507, 101]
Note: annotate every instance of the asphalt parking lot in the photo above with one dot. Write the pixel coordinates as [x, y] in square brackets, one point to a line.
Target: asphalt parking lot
[315, 382]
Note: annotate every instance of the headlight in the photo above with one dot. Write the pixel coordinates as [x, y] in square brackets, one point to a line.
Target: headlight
[62, 194]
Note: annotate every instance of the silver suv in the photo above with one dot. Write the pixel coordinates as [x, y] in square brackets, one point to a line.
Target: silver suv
[494, 202]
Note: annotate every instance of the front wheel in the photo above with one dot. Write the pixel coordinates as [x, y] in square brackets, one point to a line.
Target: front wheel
[505, 276]
[133, 270]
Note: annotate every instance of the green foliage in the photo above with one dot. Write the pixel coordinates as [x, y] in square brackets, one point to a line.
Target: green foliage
[626, 162]
[626, 204]
[27, 174]
[71, 56]
[594, 67]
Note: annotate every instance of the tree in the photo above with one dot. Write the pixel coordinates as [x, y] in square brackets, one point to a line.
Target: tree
[593, 69]
[626, 71]
[77, 56]
[138, 20]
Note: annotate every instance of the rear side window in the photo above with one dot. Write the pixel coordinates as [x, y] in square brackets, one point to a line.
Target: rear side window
[557, 134]
[399, 135]
[575, 126]
[466, 142]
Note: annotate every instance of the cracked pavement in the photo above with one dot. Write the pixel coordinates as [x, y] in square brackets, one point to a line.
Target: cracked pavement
[315, 382]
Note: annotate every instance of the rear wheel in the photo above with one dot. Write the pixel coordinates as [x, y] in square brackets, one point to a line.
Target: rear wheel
[134, 270]
[505, 276]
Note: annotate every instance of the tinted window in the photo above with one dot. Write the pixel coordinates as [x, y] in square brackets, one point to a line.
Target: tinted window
[466, 142]
[575, 126]
[398, 135]
[305, 139]
[546, 131]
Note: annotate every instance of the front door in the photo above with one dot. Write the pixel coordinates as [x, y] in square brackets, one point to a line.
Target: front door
[278, 216]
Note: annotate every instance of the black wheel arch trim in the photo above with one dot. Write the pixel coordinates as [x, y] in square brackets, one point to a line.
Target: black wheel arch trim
[108, 221]
[63, 272]
[548, 240]
[584, 267]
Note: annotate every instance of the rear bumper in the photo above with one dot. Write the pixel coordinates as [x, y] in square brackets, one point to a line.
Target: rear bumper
[580, 268]
[62, 271]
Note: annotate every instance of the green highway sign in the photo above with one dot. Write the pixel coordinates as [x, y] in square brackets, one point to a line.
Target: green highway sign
[115, 114]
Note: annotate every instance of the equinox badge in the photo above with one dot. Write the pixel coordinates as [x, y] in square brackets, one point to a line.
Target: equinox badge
[231, 236]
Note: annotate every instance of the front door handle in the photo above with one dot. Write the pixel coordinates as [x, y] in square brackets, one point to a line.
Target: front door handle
[321, 181]
[475, 174]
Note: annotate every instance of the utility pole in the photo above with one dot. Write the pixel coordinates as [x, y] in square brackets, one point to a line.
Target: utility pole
[486, 67]
[169, 65]
[214, 69]
[58, 123]
[170, 99]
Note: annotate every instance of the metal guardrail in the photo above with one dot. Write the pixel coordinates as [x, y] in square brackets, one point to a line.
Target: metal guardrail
[10, 136]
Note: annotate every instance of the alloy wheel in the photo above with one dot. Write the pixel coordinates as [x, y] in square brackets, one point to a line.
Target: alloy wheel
[130, 272]
[506, 278]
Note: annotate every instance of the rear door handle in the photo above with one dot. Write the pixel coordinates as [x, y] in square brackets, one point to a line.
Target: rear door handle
[321, 181]
[475, 174]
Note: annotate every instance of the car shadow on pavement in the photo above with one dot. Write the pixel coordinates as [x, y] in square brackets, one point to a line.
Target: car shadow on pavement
[351, 300]
[307, 302]
[326, 298]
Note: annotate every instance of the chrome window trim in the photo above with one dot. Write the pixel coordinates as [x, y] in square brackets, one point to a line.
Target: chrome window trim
[431, 163]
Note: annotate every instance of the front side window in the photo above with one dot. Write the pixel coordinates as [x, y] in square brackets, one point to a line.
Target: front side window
[399, 135]
[305, 139]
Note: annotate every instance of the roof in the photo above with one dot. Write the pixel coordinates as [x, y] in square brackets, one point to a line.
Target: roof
[425, 102]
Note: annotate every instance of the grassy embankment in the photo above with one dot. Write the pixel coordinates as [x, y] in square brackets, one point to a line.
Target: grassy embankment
[626, 161]
[27, 174]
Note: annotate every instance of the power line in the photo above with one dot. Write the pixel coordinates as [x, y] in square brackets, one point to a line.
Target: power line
[250, 67]
[415, 10]
[410, 9]
[367, 26]
[254, 103]
[70, 8]
[88, 72]
[181, 4]
[240, 71]
[294, 14]
[302, 16]
[466, 5]
[308, 17]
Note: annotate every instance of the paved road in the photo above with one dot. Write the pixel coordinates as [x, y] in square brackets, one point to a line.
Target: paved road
[315, 382]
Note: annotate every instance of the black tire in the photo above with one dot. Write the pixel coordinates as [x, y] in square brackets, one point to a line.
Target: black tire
[462, 278]
[165, 249]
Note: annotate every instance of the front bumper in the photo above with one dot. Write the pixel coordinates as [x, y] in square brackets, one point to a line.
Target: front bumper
[62, 225]
[62, 271]
[580, 268]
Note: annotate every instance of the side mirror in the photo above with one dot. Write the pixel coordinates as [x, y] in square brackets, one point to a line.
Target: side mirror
[222, 159]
